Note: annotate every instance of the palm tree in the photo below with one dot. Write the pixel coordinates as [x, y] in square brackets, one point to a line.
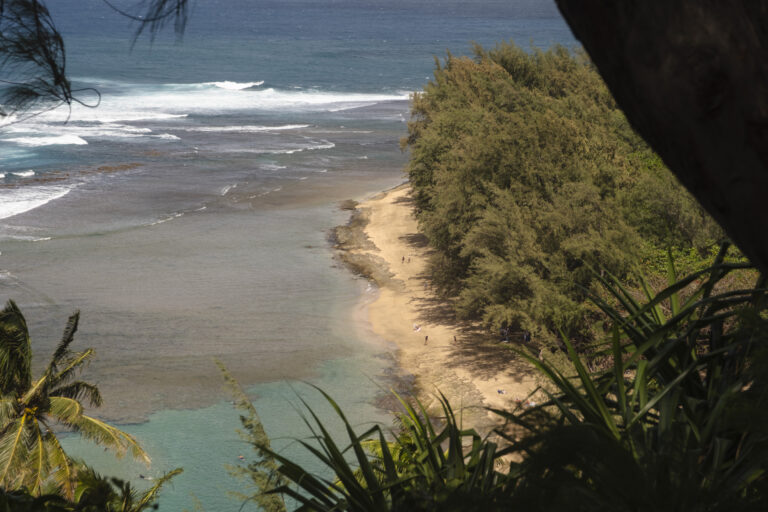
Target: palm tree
[96, 493]
[31, 456]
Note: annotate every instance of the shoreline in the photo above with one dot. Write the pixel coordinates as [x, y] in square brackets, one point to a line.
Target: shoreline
[461, 360]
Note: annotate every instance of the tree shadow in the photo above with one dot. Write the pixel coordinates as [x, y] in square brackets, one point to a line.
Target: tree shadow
[415, 240]
[485, 355]
[474, 348]
[406, 199]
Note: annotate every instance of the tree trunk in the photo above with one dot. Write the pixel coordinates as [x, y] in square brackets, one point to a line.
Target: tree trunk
[692, 78]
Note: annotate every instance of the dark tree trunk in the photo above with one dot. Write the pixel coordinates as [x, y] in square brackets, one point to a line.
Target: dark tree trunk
[692, 78]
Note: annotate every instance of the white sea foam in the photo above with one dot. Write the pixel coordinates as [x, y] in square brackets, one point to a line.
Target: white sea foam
[167, 136]
[320, 130]
[235, 86]
[92, 131]
[326, 145]
[166, 219]
[323, 145]
[226, 189]
[350, 106]
[2, 175]
[48, 141]
[110, 116]
[24, 174]
[289, 150]
[14, 201]
[171, 101]
[8, 119]
[102, 130]
[246, 128]
[177, 100]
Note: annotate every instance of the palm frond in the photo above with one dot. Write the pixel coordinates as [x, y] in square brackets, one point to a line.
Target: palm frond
[150, 495]
[15, 351]
[7, 409]
[13, 455]
[65, 410]
[91, 488]
[62, 351]
[79, 390]
[71, 367]
[38, 460]
[108, 436]
[62, 470]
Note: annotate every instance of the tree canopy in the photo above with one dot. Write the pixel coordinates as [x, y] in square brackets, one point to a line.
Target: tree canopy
[31, 456]
[692, 79]
[527, 177]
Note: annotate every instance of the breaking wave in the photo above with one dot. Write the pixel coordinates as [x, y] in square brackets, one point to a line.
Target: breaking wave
[14, 201]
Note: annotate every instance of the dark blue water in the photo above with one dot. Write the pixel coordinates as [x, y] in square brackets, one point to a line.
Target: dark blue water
[254, 64]
[187, 215]
[361, 46]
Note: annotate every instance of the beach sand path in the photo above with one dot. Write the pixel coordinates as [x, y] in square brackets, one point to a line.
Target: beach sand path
[464, 362]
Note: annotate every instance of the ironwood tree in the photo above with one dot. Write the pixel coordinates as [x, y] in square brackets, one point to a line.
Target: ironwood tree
[692, 78]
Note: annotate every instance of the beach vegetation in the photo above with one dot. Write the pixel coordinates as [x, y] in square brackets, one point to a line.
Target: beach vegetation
[678, 413]
[31, 411]
[95, 493]
[262, 475]
[693, 96]
[676, 421]
[417, 466]
[526, 175]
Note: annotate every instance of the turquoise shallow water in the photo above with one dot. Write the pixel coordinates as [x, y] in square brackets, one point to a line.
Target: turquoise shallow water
[203, 441]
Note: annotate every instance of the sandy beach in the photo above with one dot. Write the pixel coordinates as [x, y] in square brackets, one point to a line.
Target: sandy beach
[464, 362]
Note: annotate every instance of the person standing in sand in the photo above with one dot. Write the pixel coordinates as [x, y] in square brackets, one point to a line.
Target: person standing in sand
[426, 339]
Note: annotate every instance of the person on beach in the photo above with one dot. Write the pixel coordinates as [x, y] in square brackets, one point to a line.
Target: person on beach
[426, 339]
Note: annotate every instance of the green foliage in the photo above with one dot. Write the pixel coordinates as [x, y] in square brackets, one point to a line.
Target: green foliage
[22, 501]
[671, 425]
[31, 457]
[676, 422]
[422, 469]
[96, 493]
[262, 473]
[525, 174]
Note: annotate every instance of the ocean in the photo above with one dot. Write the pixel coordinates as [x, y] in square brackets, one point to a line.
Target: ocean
[187, 215]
